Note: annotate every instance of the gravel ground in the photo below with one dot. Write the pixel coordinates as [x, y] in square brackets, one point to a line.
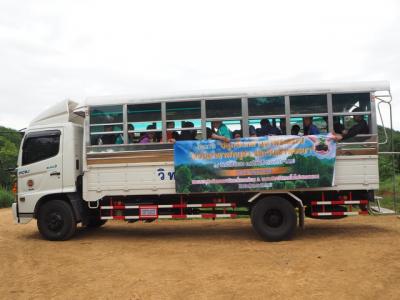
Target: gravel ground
[353, 258]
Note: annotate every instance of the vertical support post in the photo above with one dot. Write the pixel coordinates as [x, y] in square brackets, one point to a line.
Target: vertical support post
[87, 128]
[287, 113]
[373, 126]
[245, 117]
[203, 120]
[164, 121]
[330, 113]
[393, 161]
[86, 139]
[125, 123]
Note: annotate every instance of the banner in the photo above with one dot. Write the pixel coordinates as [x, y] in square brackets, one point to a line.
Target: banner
[263, 163]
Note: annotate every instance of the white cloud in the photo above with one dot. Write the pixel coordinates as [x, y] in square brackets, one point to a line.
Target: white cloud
[51, 50]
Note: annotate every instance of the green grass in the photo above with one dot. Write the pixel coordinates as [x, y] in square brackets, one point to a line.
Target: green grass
[386, 192]
[6, 198]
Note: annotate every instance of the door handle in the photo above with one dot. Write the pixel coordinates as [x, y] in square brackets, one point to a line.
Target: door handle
[55, 174]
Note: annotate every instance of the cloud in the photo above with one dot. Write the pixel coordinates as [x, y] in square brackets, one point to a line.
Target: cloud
[52, 50]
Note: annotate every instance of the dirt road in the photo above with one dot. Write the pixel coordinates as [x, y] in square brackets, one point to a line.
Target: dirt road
[357, 257]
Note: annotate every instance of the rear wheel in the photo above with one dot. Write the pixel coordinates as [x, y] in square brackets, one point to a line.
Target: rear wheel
[56, 220]
[274, 219]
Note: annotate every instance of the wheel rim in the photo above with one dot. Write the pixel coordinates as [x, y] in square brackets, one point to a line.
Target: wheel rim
[273, 218]
[54, 221]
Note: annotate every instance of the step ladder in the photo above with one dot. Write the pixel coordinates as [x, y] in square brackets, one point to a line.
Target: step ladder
[378, 209]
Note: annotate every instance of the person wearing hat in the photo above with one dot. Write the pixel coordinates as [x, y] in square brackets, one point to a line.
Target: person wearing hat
[361, 127]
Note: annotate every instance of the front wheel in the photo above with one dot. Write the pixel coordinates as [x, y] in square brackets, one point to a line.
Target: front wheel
[56, 220]
[274, 219]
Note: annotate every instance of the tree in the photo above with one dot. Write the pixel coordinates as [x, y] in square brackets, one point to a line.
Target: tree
[9, 146]
[183, 179]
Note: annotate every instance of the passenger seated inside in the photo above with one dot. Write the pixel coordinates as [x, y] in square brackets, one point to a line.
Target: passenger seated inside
[223, 133]
[131, 135]
[252, 131]
[267, 129]
[337, 126]
[172, 136]
[361, 127]
[107, 139]
[147, 137]
[237, 134]
[295, 129]
[309, 127]
[209, 133]
[187, 135]
[282, 125]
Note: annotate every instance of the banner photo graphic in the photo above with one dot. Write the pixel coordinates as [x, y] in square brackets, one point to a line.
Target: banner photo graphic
[263, 163]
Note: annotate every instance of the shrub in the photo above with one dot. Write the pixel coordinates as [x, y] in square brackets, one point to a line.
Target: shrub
[6, 198]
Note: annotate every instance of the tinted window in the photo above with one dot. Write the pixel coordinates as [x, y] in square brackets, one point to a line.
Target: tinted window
[266, 106]
[224, 108]
[37, 148]
[144, 112]
[308, 104]
[106, 114]
[351, 102]
[183, 110]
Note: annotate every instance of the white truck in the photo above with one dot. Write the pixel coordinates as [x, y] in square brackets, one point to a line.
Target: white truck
[88, 164]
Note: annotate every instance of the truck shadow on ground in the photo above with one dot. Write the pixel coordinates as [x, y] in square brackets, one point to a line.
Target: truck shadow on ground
[342, 231]
[241, 231]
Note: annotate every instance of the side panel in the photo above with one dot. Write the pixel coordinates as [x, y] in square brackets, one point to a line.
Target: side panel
[102, 179]
[128, 179]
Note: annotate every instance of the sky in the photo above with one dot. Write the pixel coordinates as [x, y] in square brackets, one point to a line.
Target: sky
[53, 50]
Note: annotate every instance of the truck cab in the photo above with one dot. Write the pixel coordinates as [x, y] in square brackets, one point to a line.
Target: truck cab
[50, 162]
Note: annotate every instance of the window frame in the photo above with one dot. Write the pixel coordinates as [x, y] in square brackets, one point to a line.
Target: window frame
[40, 134]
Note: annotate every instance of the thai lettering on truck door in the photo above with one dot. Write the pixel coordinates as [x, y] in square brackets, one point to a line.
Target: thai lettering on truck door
[40, 170]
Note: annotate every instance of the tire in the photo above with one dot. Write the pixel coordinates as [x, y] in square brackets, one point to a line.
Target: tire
[274, 219]
[95, 222]
[56, 220]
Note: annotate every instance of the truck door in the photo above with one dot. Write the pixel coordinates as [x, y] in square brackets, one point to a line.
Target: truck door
[40, 170]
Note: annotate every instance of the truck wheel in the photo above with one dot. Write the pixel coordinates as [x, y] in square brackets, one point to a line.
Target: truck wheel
[56, 220]
[95, 222]
[274, 219]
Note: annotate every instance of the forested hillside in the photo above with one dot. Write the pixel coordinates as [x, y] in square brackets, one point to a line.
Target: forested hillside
[385, 161]
[9, 147]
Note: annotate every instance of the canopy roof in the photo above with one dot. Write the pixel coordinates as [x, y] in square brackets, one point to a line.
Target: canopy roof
[324, 88]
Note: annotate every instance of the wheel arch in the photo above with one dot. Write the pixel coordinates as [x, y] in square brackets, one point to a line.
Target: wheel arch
[289, 196]
[70, 198]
